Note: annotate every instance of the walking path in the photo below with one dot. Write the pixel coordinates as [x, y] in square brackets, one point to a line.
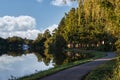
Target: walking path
[77, 72]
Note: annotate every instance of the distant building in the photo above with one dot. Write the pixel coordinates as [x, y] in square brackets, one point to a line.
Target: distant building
[25, 47]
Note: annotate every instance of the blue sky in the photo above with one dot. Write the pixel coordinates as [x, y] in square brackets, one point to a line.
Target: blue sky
[44, 14]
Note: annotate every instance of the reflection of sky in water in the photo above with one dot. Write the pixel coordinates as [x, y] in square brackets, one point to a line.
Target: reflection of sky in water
[20, 66]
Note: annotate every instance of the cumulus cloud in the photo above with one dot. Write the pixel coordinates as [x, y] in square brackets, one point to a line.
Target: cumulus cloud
[29, 34]
[62, 2]
[21, 23]
[51, 28]
[22, 26]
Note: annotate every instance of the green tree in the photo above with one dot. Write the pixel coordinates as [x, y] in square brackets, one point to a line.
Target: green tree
[46, 34]
[3, 44]
[15, 43]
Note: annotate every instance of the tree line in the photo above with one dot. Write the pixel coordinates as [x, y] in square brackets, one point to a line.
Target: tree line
[94, 24]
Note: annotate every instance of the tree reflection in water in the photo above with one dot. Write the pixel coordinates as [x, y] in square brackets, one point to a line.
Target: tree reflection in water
[58, 57]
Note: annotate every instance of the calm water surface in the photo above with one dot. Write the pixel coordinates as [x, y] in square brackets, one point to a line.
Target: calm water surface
[18, 66]
[15, 64]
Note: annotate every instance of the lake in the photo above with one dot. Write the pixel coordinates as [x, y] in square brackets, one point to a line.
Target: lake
[14, 65]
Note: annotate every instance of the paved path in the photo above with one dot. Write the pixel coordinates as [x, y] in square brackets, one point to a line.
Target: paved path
[77, 72]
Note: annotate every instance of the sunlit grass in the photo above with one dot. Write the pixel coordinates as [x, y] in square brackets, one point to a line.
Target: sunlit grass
[107, 71]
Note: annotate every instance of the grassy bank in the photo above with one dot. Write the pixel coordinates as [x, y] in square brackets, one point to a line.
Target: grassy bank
[61, 67]
[107, 71]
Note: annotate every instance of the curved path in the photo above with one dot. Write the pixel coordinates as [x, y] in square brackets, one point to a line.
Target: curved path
[77, 72]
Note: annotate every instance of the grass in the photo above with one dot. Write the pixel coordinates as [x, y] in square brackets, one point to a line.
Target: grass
[104, 72]
[61, 67]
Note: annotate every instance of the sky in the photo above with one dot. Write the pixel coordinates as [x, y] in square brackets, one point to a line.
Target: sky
[27, 18]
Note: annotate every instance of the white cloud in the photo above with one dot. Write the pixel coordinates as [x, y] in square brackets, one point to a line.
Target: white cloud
[21, 23]
[62, 2]
[39, 1]
[29, 34]
[51, 28]
[22, 26]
